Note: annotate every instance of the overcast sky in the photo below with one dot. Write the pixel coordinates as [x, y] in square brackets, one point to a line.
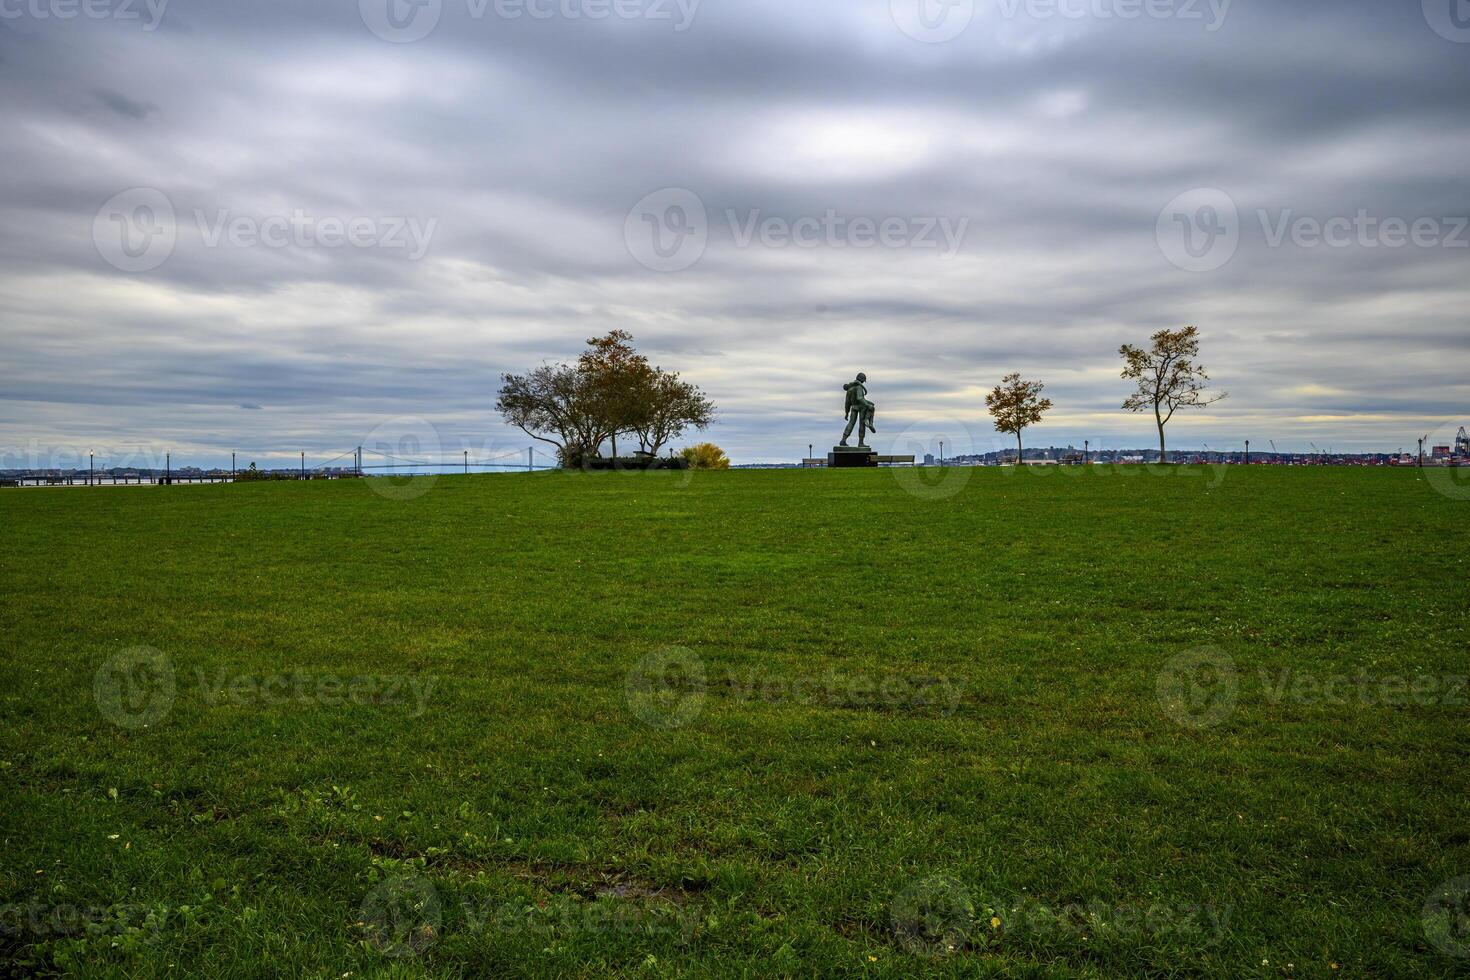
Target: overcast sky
[263, 225]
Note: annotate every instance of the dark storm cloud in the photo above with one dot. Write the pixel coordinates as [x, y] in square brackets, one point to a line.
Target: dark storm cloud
[124, 106]
[362, 230]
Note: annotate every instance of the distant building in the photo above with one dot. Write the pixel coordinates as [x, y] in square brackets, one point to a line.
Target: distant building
[928, 459]
[1441, 452]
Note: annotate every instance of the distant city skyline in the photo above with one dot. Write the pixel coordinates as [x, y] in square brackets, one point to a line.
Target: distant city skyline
[275, 227]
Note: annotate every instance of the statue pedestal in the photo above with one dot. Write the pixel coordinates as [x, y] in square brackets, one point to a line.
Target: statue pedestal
[852, 456]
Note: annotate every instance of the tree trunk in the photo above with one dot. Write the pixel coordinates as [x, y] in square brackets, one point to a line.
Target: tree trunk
[615, 445]
[1160, 421]
[1018, 448]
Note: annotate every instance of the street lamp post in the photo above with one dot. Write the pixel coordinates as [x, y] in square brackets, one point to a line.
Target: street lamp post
[941, 452]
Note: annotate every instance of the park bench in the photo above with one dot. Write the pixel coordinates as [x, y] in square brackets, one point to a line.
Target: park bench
[882, 460]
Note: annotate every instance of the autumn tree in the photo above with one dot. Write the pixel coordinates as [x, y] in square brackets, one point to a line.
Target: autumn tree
[619, 379]
[611, 389]
[1015, 404]
[555, 404]
[1167, 377]
[669, 406]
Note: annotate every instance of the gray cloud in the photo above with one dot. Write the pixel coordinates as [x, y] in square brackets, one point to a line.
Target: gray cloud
[124, 106]
[518, 146]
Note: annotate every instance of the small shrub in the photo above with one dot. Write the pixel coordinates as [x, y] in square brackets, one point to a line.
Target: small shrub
[706, 456]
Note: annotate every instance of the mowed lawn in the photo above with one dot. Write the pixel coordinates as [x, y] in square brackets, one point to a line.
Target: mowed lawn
[1092, 722]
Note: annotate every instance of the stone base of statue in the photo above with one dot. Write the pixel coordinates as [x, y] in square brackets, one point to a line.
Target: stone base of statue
[852, 456]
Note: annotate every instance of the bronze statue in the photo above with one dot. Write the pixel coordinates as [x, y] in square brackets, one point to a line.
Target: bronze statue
[859, 410]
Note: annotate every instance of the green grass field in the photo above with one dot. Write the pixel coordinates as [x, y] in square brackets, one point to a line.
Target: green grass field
[1085, 723]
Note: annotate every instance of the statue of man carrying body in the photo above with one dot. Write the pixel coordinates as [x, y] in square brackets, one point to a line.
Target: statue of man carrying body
[859, 410]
